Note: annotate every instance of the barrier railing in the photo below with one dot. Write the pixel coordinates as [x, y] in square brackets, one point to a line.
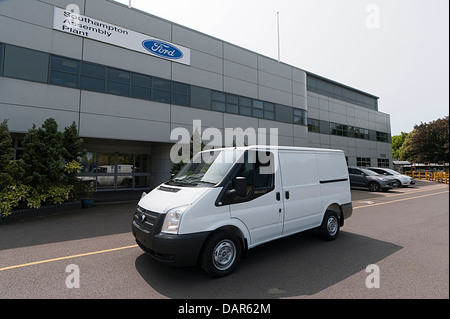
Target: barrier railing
[440, 177]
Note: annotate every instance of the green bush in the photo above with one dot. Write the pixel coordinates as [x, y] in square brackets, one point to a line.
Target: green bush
[11, 196]
[40, 177]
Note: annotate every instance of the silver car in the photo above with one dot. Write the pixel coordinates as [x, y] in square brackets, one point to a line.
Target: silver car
[400, 179]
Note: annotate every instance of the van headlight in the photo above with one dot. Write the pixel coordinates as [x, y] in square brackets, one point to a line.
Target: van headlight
[173, 219]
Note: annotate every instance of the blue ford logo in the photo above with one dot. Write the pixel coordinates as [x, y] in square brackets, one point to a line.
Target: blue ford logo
[162, 49]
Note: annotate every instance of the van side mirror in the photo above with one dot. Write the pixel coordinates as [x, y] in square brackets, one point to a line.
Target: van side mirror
[240, 187]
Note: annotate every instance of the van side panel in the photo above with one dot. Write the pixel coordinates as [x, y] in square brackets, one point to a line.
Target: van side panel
[203, 215]
[301, 191]
[334, 180]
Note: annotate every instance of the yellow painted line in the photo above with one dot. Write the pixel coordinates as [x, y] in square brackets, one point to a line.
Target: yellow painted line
[416, 191]
[400, 200]
[68, 257]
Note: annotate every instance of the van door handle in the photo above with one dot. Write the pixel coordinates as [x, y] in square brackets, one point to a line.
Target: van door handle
[286, 194]
[278, 196]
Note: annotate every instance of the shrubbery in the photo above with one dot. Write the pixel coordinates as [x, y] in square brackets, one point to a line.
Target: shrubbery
[46, 173]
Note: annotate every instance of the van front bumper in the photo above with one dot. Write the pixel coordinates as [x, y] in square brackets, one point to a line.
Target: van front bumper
[175, 250]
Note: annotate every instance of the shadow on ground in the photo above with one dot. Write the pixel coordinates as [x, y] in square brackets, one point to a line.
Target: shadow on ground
[299, 265]
[100, 220]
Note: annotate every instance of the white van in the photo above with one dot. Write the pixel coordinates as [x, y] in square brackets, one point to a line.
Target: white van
[226, 201]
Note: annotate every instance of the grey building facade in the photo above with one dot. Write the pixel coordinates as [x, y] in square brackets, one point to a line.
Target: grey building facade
[126, 103]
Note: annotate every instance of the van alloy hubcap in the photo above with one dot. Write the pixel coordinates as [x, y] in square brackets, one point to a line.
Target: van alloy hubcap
[224, 254]
[332, 225]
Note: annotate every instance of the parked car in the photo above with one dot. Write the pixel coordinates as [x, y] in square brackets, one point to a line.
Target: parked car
[227, 201]
[400, 179]
[362, 177]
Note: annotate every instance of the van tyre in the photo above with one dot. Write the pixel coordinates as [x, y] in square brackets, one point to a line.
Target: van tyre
[329, 230]
[221, 254]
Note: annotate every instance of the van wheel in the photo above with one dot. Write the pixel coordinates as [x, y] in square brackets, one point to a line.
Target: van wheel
[220, 254]
[329, 229]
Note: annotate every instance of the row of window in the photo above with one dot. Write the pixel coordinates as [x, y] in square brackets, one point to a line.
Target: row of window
[325, 127]
[22, 63]
[27, 64]
[323, 87]
[366, 162]
[99, 78]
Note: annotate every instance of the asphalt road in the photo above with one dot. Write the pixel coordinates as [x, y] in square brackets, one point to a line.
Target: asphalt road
[404, 232]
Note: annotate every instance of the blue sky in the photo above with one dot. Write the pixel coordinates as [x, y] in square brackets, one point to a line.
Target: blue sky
[395, 49]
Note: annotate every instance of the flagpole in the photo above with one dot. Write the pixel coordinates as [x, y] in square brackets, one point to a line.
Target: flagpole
[278, 28]
[129, 3]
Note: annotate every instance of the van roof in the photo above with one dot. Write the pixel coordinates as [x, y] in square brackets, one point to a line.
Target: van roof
[272, 147]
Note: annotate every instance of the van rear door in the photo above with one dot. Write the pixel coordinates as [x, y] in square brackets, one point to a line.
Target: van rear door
[301, 190]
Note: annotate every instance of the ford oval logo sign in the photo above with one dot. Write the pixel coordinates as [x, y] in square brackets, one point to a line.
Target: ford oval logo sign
[162, 49]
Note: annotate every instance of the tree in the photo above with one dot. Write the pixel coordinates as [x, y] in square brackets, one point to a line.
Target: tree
[6, 146]
[42, 154]
[428, 142]
[397, 143]
[72, 144]
[72, 149]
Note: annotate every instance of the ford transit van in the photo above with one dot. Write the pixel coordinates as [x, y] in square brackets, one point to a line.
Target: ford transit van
[227, 201]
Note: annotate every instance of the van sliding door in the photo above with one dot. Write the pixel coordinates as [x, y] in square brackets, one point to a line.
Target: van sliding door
[301, 191]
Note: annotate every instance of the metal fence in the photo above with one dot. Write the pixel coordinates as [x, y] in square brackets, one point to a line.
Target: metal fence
[440, 177]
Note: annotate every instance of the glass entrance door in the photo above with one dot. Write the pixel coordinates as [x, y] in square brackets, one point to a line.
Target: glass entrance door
[105, 171]
[125, 170]
[115, 171]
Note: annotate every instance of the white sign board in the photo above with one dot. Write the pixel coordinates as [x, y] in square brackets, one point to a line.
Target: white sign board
[90, 28]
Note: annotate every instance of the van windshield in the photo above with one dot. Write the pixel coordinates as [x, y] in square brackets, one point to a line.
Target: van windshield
[206, 168]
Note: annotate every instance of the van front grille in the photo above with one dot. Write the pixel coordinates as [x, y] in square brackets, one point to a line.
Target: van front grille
[146, 220]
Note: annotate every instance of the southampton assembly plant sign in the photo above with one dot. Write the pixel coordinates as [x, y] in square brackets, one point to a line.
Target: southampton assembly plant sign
[73, 23]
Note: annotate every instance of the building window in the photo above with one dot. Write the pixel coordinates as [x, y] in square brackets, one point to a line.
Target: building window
[1, 59]
[118, 82]
[92, 77]
[232, 104]
[313, 126]
[200, 97]
[336, 129]
[336, 91]
[218, 101]
[350, 131]
[245, 106]
[383, 162]
[362, 133]
[363, 161]
[300, 117]
[180, 94]
[382, 137]
[161, 90]
[64, 72]
[258, 109]
[140, 86]
[269, 111]
[284, 113]
[25, 64]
